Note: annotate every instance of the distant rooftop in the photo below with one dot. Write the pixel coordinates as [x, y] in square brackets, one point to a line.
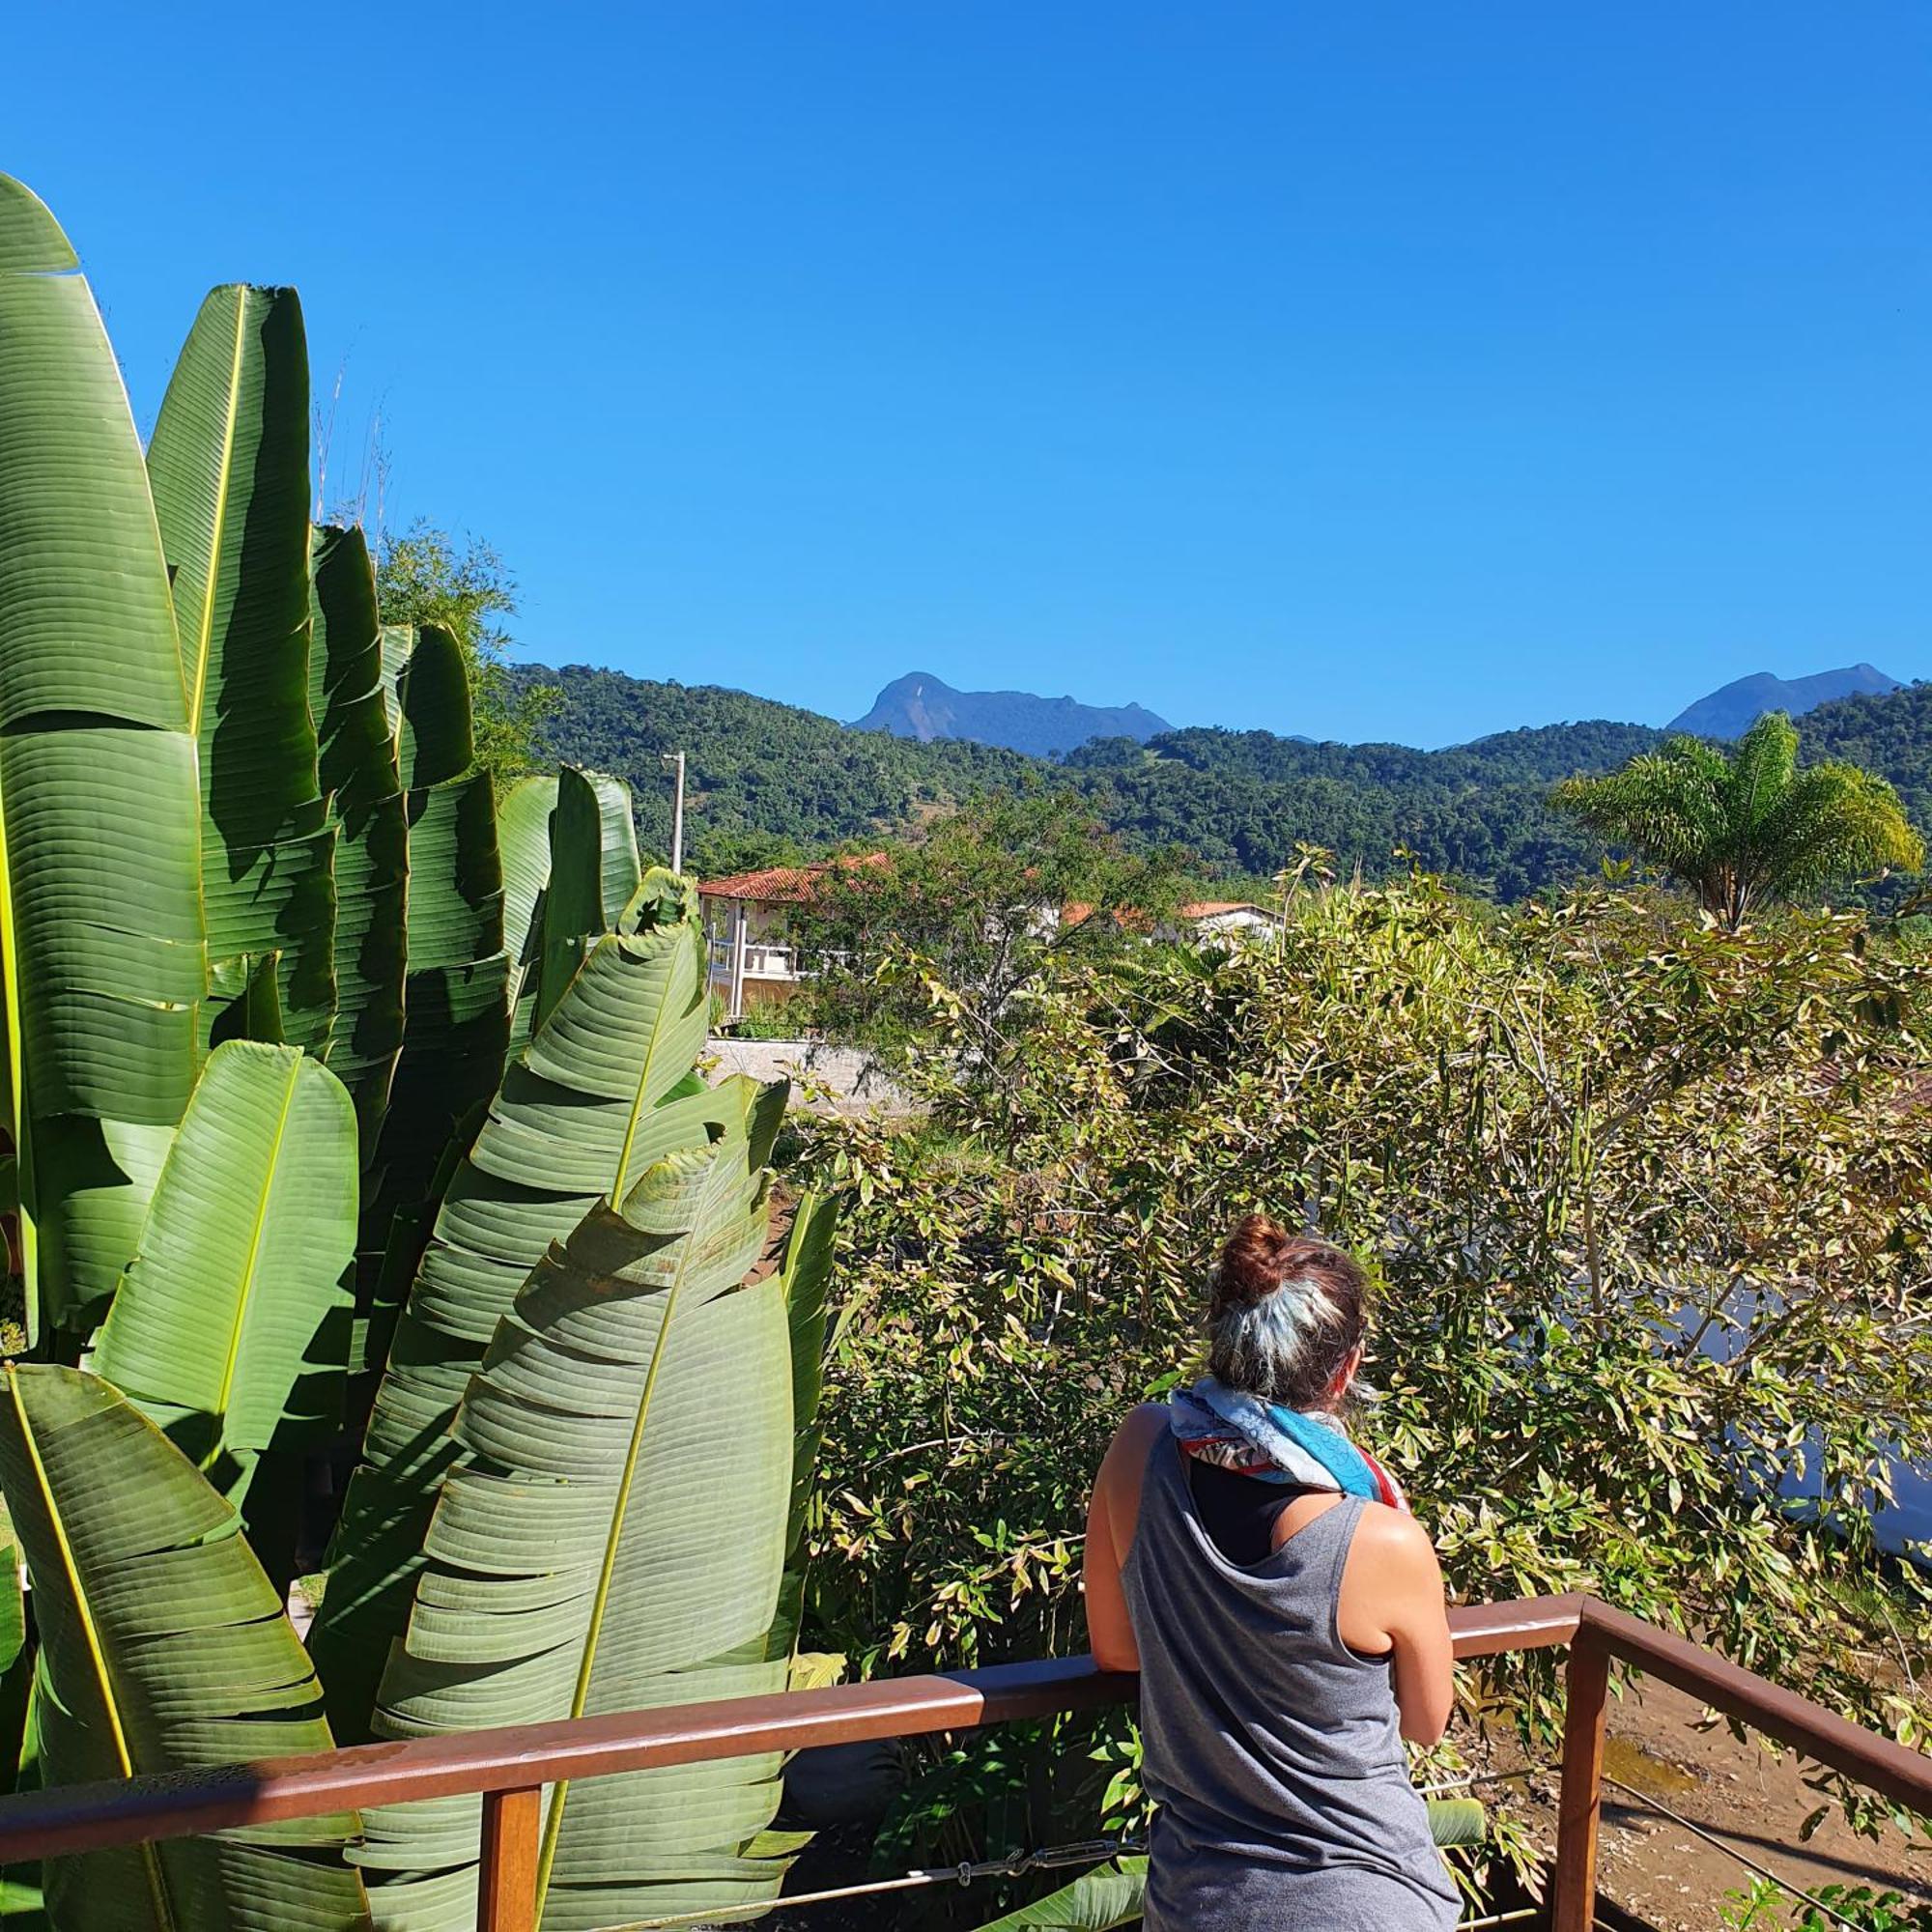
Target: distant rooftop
[781, 885]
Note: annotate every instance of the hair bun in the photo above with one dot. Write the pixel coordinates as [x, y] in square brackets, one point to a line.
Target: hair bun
[1252, 1262]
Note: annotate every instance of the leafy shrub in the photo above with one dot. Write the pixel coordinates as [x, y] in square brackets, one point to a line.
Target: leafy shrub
[1648, 1205]
[1858, 1905]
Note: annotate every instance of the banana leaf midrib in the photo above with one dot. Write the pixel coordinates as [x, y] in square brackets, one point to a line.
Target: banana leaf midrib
[560, 1792]
[205, 642]
[10, 990]
[659, 1027]
[95, 1655]
[244, 1301]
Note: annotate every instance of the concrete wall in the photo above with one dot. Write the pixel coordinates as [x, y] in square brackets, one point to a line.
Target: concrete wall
[856, 1085]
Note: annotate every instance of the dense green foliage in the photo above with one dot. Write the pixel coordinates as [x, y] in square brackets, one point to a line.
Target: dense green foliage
[771, 782]
[1766, 1906]
[201, 951]
[1889, 735]
[991, 897]
[424, 577]
[1648, 1206]
[1743, 826]
[1243, 801]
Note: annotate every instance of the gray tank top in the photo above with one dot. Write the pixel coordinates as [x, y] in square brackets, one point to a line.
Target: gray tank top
[1273, 1749]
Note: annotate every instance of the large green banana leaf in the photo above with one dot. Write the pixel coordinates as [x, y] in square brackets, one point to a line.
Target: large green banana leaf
[614, 1540]
[101, 928]
[803, 1276]
[250, 994]
[599, 1095]
[456, 1020]
[593, 872]
[228, 465]
[231, 1327]
[1096, 1901]
[17, 1662]
[525, 816]
[164, 1648]
[356, 761]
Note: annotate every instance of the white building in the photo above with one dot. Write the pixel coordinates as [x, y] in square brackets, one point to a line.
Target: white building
[754, 958]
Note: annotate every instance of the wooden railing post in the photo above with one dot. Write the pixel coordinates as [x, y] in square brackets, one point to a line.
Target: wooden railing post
[506, 1880]
[1573, 1905]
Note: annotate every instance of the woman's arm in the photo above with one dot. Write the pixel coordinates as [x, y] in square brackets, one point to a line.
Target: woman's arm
[1392, 1597]
[1112, 1515]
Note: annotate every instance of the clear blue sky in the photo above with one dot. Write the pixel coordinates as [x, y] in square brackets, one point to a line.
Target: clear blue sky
[1369, 370]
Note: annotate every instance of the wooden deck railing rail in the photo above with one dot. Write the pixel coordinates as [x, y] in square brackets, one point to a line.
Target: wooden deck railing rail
[510, 1766]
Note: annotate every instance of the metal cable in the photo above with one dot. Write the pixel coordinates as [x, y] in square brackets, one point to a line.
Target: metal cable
[1486, 1777]
[1087, 1852]
[1731, 1852]
[1096, 1851]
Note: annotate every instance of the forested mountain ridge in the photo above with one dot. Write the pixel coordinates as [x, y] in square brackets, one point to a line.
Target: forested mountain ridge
[921, 706]
[1545, 752]
[769, 780]
[764, 781]
[1890, 733]
[1731, 712]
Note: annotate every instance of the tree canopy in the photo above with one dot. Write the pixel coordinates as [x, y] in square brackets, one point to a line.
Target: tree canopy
[424, 576]
[1743, 826]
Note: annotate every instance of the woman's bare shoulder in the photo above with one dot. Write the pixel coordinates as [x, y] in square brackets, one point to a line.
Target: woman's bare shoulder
[1395, 1539]
[1127, 1453]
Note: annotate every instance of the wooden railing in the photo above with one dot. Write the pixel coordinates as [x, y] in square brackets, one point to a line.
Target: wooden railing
[511, 1767]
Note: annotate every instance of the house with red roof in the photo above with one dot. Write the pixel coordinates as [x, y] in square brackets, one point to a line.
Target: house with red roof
[1199, 919]
[1230, 919]
[754, 959]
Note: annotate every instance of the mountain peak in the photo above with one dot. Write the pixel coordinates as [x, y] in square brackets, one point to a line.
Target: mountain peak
[921, 705]
[1732, 710]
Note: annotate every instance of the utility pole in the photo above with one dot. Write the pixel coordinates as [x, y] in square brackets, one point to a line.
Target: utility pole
[676, 758]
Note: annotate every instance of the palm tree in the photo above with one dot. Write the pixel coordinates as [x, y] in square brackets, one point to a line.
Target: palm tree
[1741, 826]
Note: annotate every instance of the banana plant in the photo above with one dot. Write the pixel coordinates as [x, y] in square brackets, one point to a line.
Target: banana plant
[589, 867]
[164, 1649]
[603, 1090]
[17, 1662]
[526, 823]
[805, 1276]
[228, 467]
[613, 1538]
[231, 1328]
[102, 956]
[456, 988]
[357, 767]
[594, 869]
[455, 1002]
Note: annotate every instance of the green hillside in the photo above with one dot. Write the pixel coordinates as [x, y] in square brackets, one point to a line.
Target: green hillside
[1890, 734]
[769, 780]
[764, 781]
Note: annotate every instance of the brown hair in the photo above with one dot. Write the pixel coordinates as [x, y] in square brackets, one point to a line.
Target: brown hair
[1285, 1312]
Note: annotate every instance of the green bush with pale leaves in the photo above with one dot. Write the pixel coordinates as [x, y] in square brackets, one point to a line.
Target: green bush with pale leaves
[1648, 1205]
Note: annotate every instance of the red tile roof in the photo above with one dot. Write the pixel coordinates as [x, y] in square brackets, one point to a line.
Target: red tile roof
[780, 885]
[1077, 911]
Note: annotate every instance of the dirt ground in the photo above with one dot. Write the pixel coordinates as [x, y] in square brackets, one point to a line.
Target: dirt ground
[1752, 1802]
